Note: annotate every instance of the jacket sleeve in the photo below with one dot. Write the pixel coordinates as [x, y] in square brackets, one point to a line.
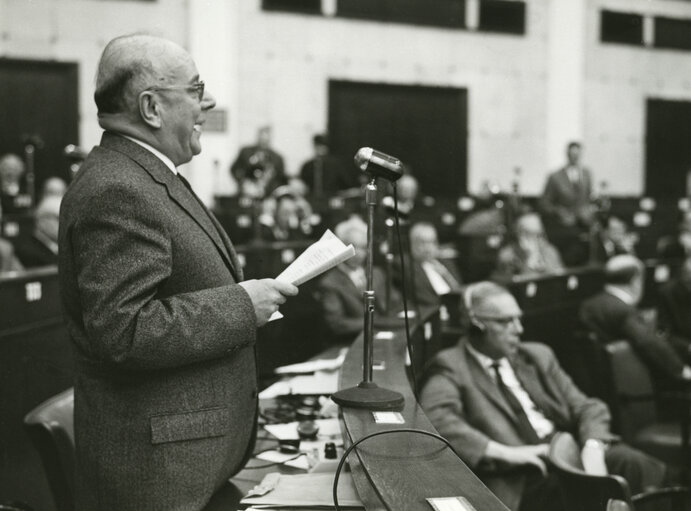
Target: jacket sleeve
[589, 416]
[652, 346]
[122, 254]
[442, 401]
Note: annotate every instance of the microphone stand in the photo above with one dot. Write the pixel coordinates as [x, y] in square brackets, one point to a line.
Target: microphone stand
[368, 394]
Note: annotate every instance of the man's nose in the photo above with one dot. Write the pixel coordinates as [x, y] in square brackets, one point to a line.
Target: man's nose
[208, 101]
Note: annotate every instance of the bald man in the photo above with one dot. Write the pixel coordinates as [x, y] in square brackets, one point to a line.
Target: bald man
[162, 325]
[13, 196]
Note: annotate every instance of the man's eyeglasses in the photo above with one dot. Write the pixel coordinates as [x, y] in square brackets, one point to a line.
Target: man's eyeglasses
[198, 87]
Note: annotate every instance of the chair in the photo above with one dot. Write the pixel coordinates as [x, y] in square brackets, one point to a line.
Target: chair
[50, 426]
[633, 403]
[586, 492]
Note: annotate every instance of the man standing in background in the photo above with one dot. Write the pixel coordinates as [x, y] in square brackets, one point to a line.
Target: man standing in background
[162, 326]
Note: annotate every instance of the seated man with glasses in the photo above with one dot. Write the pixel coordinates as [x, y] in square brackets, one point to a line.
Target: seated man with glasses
[499, 401]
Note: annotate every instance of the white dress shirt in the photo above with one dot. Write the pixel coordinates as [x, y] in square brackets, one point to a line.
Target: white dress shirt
[541, 424]
[168, 162]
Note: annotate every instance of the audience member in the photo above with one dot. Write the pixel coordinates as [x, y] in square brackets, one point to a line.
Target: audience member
[612, 315]
[340, 290]
[498, 401]
[530, 253]
[566, 206]
[8, 260]
[53, 187]
[288, 222]
[568, 191]
[677, 246]
[258, 169]
[614, 239]
[13, 196]
[41, 249]
[431, 277]
[325, 174]
[674, 311]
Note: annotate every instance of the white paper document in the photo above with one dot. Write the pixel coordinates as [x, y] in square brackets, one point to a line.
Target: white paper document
[310, 366]
[319, 257]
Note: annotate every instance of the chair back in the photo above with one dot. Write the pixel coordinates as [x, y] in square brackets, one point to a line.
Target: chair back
[582, 491]
[51, 428]
[633, 399]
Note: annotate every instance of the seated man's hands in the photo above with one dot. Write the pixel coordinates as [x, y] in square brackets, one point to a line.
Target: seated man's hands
[534, 455]
[267, 295]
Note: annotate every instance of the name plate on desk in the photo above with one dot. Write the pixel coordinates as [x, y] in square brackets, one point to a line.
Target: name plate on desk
[451, 504]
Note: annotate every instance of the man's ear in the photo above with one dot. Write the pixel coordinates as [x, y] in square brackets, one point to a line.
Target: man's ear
[149, 109]
[476, 324]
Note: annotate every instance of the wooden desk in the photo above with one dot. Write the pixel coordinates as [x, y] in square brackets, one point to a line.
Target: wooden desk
[403, 469]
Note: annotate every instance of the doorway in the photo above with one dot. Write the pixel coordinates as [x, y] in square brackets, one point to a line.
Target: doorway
[39, 104]
[668, 152]
[425, 127]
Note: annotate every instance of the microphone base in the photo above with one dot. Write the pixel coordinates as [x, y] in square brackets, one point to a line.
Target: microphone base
[369, 396]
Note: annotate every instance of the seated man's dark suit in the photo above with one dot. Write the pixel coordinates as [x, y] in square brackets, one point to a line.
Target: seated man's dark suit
[342, 303]
[612, 320]
[423, 291]
[467, 407]
[8, 260]
[328, 175]
[33, 252]
[674, 315]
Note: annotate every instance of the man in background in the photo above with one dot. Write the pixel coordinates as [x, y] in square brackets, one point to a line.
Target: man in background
[13, 196]
[612, 315]
[498, 401]
[674, 311]
[41, 249]
[324, 174]
[163, 325]
[258, 169]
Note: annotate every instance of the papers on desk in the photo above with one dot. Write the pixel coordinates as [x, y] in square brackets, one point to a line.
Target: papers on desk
[314, 365]
[319, 257]
[321, 382]
[304, 491]
[328, 428]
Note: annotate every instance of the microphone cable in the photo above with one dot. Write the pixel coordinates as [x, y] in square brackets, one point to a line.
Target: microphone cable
[371, 435]
[409, 343]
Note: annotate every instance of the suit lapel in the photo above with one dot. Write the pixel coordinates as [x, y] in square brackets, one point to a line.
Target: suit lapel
[488, 386]
[532, 382]
[177, 191]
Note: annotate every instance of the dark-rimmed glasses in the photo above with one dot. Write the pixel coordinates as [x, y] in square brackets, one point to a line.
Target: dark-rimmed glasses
[502, 320]
[198, 87]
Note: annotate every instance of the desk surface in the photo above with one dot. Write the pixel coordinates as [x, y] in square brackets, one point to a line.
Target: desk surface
[403, 469]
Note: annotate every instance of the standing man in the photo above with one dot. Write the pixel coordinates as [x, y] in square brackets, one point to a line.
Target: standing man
[325, 174]
[566, 206]
[162, 326]
[258, 169]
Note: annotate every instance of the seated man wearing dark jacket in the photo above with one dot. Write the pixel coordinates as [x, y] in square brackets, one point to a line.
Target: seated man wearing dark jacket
[612, 315]
[340, 290]
[674, 311]
[498, 401]
[41, 249]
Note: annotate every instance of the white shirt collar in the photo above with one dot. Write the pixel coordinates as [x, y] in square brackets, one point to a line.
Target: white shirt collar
[485, 361]
[621, 294]
[168, 162]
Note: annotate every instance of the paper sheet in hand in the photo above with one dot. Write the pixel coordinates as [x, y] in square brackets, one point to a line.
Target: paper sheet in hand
[319, 257]
[307, 491]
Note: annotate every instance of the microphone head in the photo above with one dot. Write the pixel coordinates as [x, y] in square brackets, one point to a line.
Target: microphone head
[362, 157]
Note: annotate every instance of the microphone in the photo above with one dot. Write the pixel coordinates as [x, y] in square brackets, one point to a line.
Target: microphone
[378, 164]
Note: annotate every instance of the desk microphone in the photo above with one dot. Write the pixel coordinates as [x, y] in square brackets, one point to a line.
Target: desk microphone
[378, 164]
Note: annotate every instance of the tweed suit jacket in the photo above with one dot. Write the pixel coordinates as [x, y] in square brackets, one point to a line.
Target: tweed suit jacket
[467, 408]
[165, 386]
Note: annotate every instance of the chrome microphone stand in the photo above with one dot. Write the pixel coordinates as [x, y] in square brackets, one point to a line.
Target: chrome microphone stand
[368, 394]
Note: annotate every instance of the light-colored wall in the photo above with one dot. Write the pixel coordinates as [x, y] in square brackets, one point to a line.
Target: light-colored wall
[273, 68]
[618, 80]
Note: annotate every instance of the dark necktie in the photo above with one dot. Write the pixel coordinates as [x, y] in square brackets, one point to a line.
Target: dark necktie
[524, 426]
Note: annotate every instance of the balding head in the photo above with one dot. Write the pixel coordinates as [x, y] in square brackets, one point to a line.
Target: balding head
[148, 88]
[628, 273]
[130, 64]
[424, 245]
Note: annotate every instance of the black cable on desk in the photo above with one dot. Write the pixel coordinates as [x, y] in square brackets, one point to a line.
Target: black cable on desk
[409, 343]
[371, 435]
